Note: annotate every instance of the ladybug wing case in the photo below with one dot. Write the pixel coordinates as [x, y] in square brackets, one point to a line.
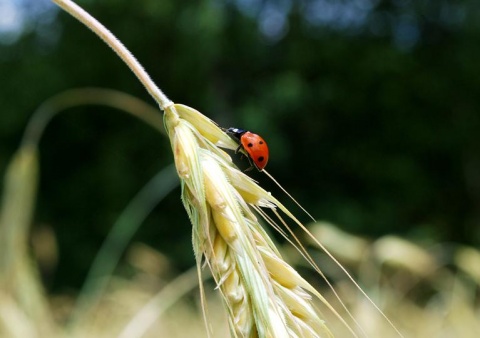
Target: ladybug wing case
[256, 148]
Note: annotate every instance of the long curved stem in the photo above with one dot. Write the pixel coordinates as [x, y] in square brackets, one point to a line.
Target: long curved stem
[89, 21]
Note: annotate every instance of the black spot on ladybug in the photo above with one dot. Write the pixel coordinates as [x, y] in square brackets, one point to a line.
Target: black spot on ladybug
[261, 142]
[250, 145]
[260, 159]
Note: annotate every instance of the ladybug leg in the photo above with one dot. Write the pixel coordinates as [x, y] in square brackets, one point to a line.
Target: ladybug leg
[242, 154]
[251, 165]
[238, 150]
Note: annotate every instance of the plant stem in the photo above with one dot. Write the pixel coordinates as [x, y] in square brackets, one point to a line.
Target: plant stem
[89, 21]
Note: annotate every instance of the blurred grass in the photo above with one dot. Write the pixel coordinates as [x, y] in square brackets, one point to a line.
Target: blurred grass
[120, 236]
[20, 286]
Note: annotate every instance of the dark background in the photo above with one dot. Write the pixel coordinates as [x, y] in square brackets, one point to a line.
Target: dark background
[371, 110]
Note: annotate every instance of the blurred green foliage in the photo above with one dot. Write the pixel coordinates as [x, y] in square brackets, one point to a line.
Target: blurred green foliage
[371, 110]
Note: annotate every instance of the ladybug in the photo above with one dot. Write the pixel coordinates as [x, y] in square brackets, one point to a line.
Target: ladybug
[254, 145]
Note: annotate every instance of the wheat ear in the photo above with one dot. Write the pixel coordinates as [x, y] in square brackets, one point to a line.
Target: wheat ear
[264, 296]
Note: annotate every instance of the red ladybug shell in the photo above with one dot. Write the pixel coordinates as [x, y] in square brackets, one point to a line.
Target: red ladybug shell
[256, 148]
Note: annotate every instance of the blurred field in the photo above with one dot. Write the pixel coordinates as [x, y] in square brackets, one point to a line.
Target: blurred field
[427, 290]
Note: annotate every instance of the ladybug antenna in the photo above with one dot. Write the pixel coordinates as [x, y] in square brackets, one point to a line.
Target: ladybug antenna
[291, 197]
